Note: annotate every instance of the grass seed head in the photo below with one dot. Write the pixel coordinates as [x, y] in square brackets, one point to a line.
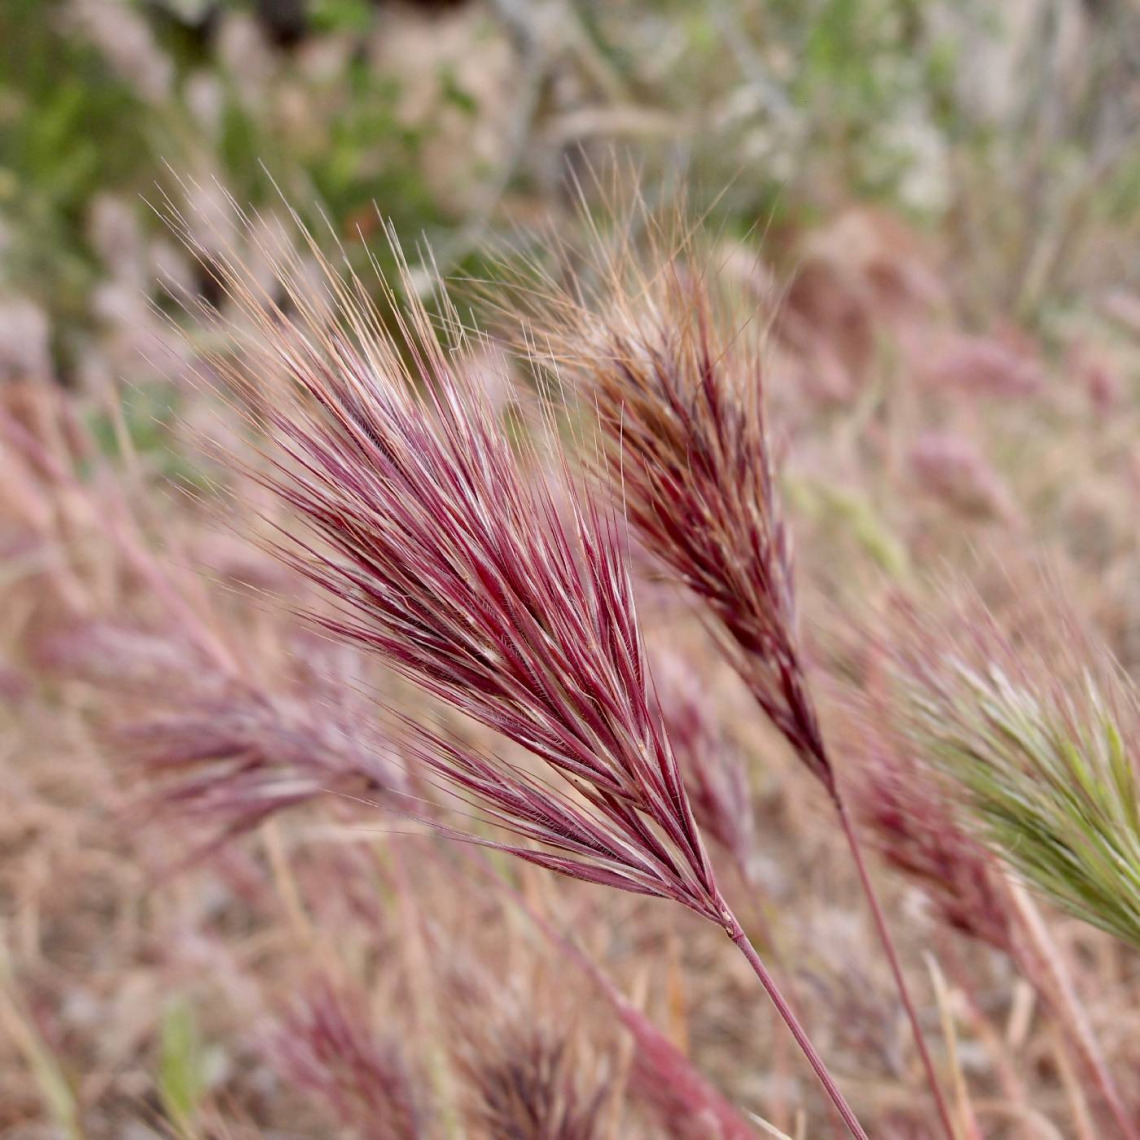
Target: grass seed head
[712, 766]
[1042, 748]
[449, 553]
[528, 1083]
[686, 452]
[325, 1046]
[911, 818]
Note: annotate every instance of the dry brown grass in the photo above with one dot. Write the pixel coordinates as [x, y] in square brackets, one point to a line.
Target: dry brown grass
[110, 944]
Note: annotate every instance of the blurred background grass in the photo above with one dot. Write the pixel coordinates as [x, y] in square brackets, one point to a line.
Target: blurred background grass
[944, 197]
[1009, 130]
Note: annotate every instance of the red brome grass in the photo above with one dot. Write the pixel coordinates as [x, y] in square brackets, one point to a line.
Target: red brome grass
[450, 557]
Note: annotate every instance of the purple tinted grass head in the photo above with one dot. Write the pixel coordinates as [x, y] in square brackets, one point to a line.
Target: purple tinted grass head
[986, 366]
[128, 657]
[951, 467]
[912, 821]
[324, 1046]
[223, 766]
[686, 1105]
[445, 555]
[662, 1077]
[713, 768]
[685, 449]
[225, 753]
[532, 1067]
[15, 685]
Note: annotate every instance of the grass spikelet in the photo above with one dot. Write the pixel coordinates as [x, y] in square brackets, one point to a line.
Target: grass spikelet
[324, 1046]
[986, 366]
[528, 1083]
[473, 577]
[684, 1103]
[501, 592]
[128, 657]
[1034, 724]
[915, 828]
[950, 467]
[686, 451]
[227, 764]
[1042, 748]
[662, 1077]
[226, 753]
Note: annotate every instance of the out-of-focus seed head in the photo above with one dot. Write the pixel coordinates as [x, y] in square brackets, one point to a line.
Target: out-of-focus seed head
[952, 468]
[911, 818]
[986, 366]
[712, 766]
[217, 753]
[25, 342]
[526, 1082]
[1041, 745]
[325, 1046]
[450, 553]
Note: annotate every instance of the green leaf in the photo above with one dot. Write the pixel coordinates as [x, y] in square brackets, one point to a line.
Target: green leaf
[181, 1076]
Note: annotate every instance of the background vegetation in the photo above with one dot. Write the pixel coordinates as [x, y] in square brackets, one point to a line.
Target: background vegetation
[930, 209]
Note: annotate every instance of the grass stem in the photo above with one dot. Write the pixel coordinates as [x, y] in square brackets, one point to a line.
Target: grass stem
[1062, 995]
[768, 982]
[893, 959]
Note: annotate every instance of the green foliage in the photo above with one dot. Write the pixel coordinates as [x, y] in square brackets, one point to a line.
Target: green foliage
[864, 76]
[371, 158]
[148, 413]
[342, 15]
[67, 123]
[67, 129]
[182, 1080]
[70, 129]
[1120, 199]
[363, 160]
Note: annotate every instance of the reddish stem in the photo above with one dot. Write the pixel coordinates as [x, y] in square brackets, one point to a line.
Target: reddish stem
[736, 933]
[896, 966]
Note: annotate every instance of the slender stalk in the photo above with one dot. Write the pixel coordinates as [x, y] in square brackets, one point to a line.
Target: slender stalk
[893, 959]
[1062, 995]
[736, 933]
[767, 936]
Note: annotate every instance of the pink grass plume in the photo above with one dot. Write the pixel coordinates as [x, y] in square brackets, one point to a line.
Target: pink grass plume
[450, 552]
